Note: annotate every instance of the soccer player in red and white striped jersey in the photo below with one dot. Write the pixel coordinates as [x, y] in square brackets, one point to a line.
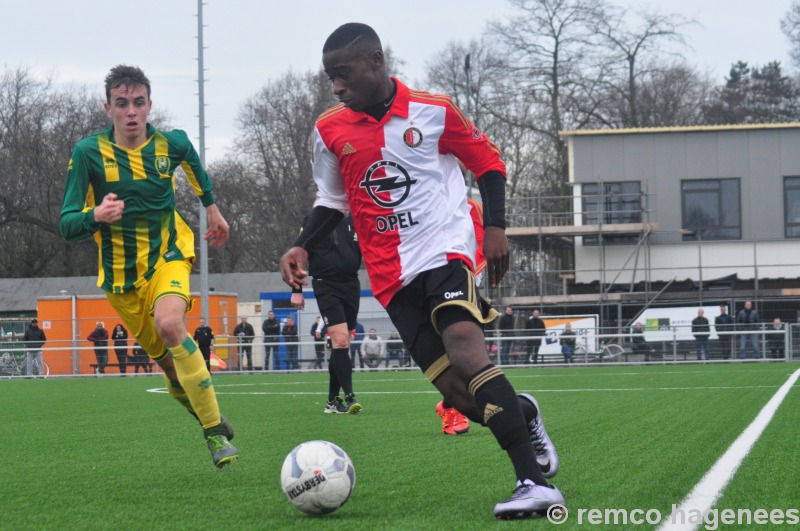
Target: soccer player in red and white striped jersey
[388, 155]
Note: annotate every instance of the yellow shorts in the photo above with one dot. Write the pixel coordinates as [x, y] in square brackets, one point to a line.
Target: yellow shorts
[136, 307]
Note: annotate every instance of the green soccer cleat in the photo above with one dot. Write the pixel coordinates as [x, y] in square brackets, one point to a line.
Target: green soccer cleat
[222, 451]
[353, 407]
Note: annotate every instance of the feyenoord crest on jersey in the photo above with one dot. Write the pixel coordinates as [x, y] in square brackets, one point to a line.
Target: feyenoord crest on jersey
[412, 137]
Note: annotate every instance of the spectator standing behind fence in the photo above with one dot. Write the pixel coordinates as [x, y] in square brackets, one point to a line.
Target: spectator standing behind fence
[204, 337]
[505, 329]
[701, 330]
[639, 342]
[373, 349]
[394, 349]
[272, 335]
[535, 327]
[567, 343]
[34, 341]
[776, 342]
[724, 326]
[99, 338]
[140, 359]
[290, 338]
[318, 332]
[245, 334]
[120, 338]
[747, 321]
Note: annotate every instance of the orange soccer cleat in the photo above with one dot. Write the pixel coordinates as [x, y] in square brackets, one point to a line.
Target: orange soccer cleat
[453, 422]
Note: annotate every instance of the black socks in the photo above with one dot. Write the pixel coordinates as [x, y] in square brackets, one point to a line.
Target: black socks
[496, 399]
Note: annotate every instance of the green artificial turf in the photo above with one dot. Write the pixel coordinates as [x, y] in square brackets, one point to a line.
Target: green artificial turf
[107, 453]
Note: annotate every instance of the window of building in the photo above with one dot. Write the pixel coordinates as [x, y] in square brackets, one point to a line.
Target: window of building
[711, 209]
[612, 203]
[791, 206]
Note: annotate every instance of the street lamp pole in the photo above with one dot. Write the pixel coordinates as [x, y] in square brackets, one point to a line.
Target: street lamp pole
[201, 114]
[467, 71]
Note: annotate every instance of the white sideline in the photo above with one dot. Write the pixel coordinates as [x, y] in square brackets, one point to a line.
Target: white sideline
[706, 493]
[220, 389]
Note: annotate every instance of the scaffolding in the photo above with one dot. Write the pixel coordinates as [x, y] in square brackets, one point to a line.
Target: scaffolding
[548, 234]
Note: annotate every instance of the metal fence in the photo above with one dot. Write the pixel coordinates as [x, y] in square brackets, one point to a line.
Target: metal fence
[515, 349]
[610, 346]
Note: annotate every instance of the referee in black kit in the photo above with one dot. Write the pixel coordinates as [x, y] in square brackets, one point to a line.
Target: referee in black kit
[334, 265]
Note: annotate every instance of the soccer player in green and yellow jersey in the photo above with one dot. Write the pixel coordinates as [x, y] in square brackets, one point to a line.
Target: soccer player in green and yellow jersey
[120, 189]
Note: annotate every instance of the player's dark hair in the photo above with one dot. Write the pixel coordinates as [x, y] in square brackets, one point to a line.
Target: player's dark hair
[125, 76]
[352, 34]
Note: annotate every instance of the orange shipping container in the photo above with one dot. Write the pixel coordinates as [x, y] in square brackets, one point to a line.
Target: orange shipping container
[68, 319]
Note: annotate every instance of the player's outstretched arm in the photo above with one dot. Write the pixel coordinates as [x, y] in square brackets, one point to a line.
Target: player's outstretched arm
[218, 229]
[495, 248]
[294, 267]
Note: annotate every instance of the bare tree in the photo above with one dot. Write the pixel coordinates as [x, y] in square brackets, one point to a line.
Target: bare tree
[547, 43]
[38, 129]
[670, 96]
[466, 72]
[790, 25]
[632, 58]
[265, 185]
[481, 91]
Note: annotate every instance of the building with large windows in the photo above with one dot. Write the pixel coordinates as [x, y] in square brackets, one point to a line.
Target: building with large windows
[705, 202]
[660, 214]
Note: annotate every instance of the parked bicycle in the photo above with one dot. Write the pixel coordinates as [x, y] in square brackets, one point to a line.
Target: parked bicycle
[606, 351]
[11, 364]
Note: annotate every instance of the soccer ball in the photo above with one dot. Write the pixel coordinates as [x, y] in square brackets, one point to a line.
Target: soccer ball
[318, 477]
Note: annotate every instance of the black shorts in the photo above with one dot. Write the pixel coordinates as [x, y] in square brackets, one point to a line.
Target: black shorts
[418, 308]
[338, 300]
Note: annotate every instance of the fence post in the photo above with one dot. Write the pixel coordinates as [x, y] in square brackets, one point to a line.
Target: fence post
[786, 344]
[74, 334]
[675, 344]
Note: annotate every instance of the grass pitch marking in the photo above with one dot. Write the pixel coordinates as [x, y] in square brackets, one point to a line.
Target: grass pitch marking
[706, 493]
[223, 389]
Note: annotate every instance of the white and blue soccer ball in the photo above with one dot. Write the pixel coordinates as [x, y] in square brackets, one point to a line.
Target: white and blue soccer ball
[318, 477]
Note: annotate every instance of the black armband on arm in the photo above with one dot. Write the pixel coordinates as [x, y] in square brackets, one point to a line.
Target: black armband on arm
[319, 224]
[492, 186]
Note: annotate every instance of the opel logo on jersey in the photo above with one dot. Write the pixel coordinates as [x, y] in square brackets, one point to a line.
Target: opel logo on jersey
[396, 178]
[412, 137]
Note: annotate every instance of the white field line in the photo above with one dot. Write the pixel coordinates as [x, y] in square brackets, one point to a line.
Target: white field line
[706, 493]
[432, 391]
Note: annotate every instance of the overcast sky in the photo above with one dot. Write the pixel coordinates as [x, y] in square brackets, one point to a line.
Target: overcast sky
[251, 42]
